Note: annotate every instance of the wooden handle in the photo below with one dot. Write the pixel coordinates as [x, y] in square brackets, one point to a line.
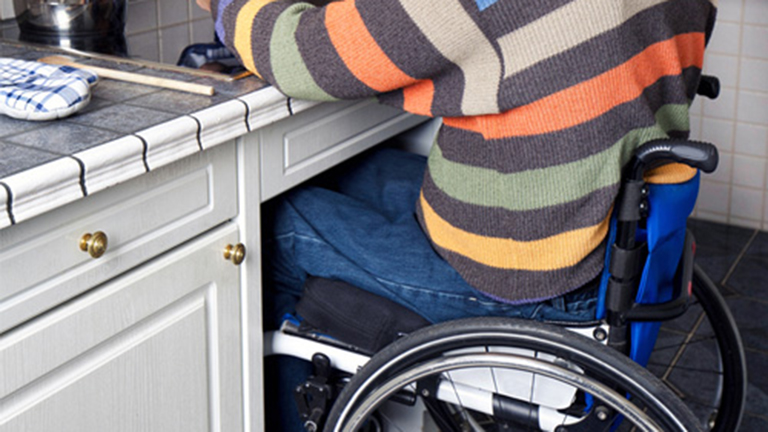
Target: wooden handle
[132, 77]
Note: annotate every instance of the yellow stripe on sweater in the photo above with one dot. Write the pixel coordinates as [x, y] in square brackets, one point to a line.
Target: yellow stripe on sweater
[551, 253]
[244, 32]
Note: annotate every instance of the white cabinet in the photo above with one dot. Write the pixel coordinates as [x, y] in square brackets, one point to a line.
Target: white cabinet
[161, 333]
[157, 349]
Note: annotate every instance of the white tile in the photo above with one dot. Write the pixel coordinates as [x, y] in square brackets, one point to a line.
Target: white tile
[756, 12]
[198, 12]
[697, 107]
[723, 107]
[718, 132]
[45, 187]
[755, 41]
[746, 203]
[751, 139]
[753, 107]
[724, 67]
[265, 106]
[173, 12]
[170, 141]
[145, 46]
[202, 31]
[749, 171]
[112, 163]
[725, 38]
[5, 218]
[729, 10]
[141, 16]
[712, 217]
[754, 74]
[173, 40]
[745, 223]
[221, 123]
[696, 127]
[724, 169]
[765, 212]
[713, 197]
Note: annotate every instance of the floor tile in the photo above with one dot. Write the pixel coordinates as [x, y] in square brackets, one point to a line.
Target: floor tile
[715, 262]
[752, 423]
[757, 390]
[719, 236]
[750, 318]
[749, 278]
[759, 247]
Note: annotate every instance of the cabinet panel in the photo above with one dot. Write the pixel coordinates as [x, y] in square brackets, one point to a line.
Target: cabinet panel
[306, 144]
[156, 349]
[42, 264]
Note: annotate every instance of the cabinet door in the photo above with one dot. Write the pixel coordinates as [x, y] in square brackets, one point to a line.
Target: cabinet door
[155, 350]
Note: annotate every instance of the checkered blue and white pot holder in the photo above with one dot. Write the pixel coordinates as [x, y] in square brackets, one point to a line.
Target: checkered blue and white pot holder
[36, 91]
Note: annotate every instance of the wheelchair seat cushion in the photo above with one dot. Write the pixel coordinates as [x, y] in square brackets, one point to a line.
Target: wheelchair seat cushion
[355, 316]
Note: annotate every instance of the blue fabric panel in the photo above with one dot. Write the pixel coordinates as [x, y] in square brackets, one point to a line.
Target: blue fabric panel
[485, 4]
[670, 206]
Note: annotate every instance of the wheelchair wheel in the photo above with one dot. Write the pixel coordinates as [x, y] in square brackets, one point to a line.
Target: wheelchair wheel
[702, 358]
[497, 374]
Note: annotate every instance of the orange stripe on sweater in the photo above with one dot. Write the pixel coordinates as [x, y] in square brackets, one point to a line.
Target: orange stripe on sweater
[359, 51]
[592, 98]
[417, 98]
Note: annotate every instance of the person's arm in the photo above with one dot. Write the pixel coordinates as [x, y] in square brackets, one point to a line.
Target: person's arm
[346, 49]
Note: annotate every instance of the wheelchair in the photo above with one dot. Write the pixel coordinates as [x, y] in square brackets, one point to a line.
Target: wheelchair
[616, 372]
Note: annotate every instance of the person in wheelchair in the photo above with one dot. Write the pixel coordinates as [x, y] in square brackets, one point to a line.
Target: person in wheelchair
[543, 104]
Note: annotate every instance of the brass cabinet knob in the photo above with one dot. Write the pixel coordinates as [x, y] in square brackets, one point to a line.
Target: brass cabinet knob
[236, 253]
[94, 244]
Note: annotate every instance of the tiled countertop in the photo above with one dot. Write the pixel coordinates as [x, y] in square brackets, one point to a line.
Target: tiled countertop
[125, 131]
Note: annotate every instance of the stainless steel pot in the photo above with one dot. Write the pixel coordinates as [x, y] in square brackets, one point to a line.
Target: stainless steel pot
[71, 17]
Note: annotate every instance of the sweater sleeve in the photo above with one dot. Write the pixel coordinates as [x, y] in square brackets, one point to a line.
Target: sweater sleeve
[346, 49]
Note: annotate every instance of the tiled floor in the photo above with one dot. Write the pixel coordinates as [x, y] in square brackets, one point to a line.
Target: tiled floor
[737, 259]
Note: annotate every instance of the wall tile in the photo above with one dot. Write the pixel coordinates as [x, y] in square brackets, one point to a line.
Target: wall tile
[718, 132]
[141, 16]
[756, 12]
[754, 41]
[753, 107]
[696, 123]
[173, 40]
[752, 139]
[147, 44]
[173, 12]
[712, 217]
[749, 171]
[730, 10]
[725, 38]
[723, 107]
[724, 169]
[754, 73]
[746, 203]
[724, 67]
[714, 197]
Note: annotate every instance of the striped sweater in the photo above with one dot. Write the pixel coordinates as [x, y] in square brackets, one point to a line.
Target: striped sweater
[543, 102]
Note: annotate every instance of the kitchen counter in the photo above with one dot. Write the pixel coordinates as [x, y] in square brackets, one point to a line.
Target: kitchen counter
[130, 248]
[125, 131]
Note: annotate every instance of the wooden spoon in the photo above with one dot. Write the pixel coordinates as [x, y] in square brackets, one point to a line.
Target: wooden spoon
[132, 77]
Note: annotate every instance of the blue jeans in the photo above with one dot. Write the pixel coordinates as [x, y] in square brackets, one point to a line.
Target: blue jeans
[360, 227]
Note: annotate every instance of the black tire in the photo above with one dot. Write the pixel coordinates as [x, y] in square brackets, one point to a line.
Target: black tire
[597, 361]
[712, 379]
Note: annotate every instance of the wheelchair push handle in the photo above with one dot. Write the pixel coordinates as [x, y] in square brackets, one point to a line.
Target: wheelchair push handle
[696, 154]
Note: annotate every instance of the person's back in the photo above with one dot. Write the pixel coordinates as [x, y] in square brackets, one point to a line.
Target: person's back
[543, 102]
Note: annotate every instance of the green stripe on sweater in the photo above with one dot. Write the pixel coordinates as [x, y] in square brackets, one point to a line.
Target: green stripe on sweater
[291, 74]
[541, 188]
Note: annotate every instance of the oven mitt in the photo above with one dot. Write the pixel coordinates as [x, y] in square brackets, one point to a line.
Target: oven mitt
[36, 91]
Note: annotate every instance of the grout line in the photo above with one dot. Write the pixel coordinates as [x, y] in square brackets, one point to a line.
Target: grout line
[683, 346]
[738, 258]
